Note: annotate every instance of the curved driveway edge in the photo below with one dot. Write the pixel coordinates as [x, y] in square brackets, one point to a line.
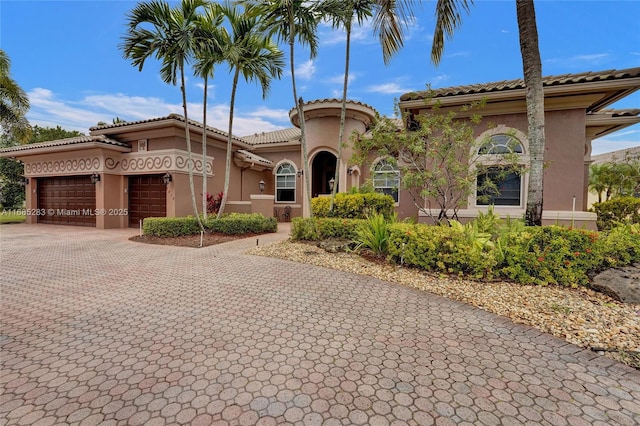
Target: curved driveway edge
[95, 329]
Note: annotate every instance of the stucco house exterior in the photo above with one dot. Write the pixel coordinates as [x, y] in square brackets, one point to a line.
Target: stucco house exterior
[121, 173]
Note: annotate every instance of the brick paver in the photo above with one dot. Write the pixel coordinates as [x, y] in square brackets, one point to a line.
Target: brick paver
[99, 330]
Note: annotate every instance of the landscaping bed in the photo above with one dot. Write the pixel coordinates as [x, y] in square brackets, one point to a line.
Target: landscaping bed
[208, 239]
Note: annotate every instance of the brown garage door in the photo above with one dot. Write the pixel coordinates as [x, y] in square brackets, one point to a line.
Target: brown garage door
[68, 200]
[147, 198]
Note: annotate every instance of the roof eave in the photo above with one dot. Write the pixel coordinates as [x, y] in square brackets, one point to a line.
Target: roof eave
[62, 148]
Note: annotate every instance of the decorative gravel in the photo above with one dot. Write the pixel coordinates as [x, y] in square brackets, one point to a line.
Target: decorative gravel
[579, 315]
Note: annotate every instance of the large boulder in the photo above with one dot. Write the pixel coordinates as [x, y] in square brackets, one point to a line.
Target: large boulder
[622, 284]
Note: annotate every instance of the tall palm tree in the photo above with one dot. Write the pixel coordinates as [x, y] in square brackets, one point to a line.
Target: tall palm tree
[208, 55]
[156, 29]
[248, 51]
[448, 18]
[291, 21]
[342, 13]
[14, 102]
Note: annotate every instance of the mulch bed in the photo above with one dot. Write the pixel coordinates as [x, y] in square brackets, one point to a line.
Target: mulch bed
[209, 239]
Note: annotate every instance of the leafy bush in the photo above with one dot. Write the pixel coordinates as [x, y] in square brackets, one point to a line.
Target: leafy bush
[354, 206]
[617, 211]
[316, 229]
[373, 234]
[620, 246]
[551, 255]
[460, 249]
[170, 226]
[242, 223]
[528, 255]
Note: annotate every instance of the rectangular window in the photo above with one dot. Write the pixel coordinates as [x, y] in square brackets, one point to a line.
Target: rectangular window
[498, 187]
[286, 188]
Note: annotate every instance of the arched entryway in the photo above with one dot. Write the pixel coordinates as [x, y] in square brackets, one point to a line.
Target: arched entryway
[323, 170]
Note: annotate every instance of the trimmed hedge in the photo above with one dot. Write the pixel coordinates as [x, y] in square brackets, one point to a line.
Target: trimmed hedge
[316, 229]
[234, 223]
[533, 255]
[354, 206]
[620, 210]
[239, 223]
[170, 226]
[506, 250]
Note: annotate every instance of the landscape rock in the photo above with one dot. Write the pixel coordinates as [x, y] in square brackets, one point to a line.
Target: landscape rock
[622, 284]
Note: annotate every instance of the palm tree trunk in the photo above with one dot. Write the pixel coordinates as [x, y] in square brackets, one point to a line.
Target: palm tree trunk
[227, 171]
[343, 115]
[532, 67]
[204, 151]
[188, 138]
[298, 103]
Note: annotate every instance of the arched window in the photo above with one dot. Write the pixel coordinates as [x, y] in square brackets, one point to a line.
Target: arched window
[386, 178]
[500, 180]
[286, 183]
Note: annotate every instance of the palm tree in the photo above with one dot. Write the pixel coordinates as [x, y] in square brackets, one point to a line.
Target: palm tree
[247, 51]
[168, 34]
[342, 14]
[448, 18]
[291, 21]
[14, 102]
[597, 182]
[208, 54]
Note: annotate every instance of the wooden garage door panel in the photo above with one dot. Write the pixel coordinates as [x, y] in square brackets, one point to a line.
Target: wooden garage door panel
[147, 198]
[66, 200]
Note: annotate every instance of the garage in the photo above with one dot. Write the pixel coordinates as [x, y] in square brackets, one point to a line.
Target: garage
[68, 200]
[147, 198]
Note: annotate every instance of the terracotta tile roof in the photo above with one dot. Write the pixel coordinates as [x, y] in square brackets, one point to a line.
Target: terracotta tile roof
[555, 80]
[168, 117]
[250, 157]
[278, 136]
[630, 112]
[327, 100]
[67, 141]
[617, 156]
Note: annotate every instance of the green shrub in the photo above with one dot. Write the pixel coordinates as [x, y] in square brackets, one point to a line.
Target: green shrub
[620, 246]
[354, 206]
[234, 223]
[242, 223]
[458, 249]
[170, 226]
[373, 234]
[620, 210]
[321, 228]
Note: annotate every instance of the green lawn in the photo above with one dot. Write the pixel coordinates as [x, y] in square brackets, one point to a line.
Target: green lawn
[11, 216]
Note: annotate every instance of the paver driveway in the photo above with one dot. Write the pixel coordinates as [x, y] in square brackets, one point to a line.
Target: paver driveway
[99, 330]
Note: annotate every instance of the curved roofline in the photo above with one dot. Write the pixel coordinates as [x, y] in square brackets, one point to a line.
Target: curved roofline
[332, 108]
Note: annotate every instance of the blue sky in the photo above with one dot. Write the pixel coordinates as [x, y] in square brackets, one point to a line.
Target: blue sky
[65, 55]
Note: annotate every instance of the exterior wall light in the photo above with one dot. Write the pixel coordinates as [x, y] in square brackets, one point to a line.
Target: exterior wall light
[24, 181]
[95, 178]
[350, 171]
[300, 173]
[331, 183]
[261, 185]
[166, 178]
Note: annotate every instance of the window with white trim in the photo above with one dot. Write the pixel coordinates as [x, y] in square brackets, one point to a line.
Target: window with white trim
[497, 184]
[386, 178]
[286, 183]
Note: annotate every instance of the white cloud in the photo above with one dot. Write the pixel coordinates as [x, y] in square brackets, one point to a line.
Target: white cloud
[594, 58]
[306, 70]
[339, 79]
[211, 90]
[388, 89]
[48, 110]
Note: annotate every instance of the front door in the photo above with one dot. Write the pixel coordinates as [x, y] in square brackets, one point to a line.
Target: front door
[324, 168]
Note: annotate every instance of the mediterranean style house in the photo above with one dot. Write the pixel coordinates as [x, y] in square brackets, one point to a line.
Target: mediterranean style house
[121, 173]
